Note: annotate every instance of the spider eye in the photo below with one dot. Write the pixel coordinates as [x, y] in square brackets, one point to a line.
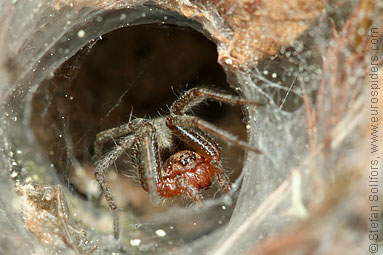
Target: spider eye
[183, 162]
[187, 158]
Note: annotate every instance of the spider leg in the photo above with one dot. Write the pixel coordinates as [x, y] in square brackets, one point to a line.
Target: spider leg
[150, 163]
[178, 123]
[223, 180]
[195, 96]
[99, 172]
[113, 133]
[190, 190]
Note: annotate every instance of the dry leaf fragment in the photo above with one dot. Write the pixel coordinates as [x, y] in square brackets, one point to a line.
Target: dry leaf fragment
[46, 215]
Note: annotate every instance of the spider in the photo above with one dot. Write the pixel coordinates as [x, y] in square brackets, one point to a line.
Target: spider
[151, 140]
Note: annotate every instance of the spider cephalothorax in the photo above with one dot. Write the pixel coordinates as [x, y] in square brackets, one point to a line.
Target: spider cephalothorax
[184, 172]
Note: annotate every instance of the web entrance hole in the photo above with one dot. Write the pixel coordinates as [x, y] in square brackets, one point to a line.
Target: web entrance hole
[136, 71]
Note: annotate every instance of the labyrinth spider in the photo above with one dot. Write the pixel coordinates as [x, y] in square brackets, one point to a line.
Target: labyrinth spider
[151, 140]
